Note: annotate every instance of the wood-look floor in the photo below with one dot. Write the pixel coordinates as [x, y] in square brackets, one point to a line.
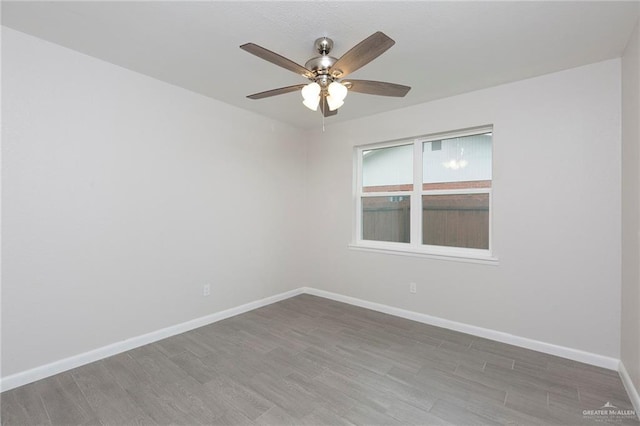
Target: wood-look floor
[312, 361]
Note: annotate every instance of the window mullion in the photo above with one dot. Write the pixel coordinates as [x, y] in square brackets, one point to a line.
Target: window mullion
[416, 198]
[357, 191]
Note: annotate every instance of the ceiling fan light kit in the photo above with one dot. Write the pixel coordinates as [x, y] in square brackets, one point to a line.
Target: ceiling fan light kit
[325, 73]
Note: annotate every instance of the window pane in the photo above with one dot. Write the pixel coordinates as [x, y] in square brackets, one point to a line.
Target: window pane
[388, 169]
[463, 162]
[386, 218]
[456, 220]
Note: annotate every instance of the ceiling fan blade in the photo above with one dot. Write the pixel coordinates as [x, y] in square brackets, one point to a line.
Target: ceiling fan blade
[380, 88]
[274, 58]
[275, 92]
[361, 54]
[324, 108]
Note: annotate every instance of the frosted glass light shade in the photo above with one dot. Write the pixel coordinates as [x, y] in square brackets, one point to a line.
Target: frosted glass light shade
[312, 103]
[334, 103]
[311, 95]
[337, 91]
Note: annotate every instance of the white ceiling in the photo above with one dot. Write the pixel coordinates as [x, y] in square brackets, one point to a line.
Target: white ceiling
[442, 48]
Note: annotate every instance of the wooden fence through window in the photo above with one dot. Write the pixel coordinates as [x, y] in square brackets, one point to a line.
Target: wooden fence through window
[454, 220]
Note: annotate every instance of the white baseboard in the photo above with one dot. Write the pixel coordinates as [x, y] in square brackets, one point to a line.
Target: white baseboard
[22, 378]
[634, 396]
[561, 351]
[47, 370]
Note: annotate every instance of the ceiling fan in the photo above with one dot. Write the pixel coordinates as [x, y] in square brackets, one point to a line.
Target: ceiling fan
[326, 73]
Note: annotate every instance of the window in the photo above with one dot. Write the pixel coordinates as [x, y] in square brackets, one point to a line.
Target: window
[430, 195]
[387, 183]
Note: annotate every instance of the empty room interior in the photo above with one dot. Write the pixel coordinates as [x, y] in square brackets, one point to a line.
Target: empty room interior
[320, 213]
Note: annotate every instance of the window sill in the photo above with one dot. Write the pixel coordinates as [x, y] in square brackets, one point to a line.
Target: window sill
[413, 252]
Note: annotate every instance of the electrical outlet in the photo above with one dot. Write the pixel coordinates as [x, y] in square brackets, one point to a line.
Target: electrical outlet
[412, 288]
[206, 290]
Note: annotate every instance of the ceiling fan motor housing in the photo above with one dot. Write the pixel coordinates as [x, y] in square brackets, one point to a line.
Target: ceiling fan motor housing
[320, 64]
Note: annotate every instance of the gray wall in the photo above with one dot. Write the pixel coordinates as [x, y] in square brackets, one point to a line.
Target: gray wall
[123, 196]
[630, 351]
[556, 205]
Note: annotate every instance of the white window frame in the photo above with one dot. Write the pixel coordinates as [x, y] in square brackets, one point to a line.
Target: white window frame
[415, 246]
